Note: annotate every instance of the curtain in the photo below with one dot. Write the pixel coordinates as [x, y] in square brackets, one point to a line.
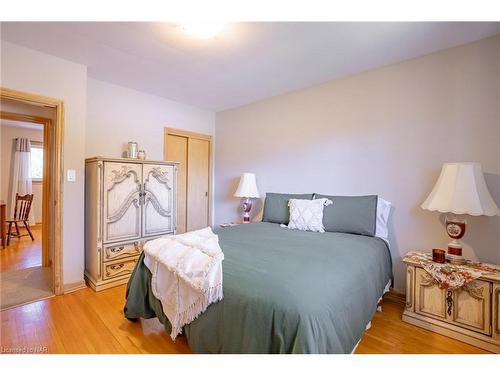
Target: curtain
[21, 176]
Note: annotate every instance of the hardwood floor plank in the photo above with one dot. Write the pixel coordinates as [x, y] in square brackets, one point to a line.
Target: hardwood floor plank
[89, 322]
[22, 252]
[389, 334]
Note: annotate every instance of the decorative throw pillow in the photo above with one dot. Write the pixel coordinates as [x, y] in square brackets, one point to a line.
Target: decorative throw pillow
[307, 214]
[276, 207]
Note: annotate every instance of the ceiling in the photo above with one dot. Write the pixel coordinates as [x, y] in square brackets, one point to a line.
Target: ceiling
[246, 63]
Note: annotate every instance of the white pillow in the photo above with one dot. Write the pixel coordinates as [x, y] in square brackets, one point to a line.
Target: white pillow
[383, 210]
[307, 214]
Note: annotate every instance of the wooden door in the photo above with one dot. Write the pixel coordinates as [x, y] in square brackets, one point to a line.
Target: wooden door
[430, 300]
[193, 152]
[122, 206]
[176, 150]
[197, 183]
[471, 307]
[158, 201]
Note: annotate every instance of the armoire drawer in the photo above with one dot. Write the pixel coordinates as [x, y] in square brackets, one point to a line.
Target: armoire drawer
[124, 250]
[119, 268]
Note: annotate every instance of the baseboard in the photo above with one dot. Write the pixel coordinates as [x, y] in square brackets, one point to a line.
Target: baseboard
[73, 287]
[394, 296]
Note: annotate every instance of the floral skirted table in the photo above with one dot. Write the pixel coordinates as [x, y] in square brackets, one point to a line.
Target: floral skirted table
[452, 276]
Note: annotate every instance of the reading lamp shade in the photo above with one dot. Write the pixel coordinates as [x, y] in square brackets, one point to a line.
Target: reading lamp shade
[461, 189]
[247, 187]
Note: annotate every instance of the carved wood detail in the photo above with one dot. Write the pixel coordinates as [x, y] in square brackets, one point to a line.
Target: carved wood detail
[162, 176]
[449, 301]
[156, 204]
[474, 290]
[496, 310]
[123, 250]
[121, 175]
[119, 269]
[409, 288]
[427, 280]
[132, 199]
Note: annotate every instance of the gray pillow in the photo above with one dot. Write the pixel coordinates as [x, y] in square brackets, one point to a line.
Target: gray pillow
[357, 214]
[276, 207]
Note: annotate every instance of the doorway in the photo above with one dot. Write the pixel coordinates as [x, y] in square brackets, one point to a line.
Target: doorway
[31, 263]
[193, 151]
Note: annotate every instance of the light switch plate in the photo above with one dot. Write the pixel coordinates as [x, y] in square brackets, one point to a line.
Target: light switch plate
[71, 175]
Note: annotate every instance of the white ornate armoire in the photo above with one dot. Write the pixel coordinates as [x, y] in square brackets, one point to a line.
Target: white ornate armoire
[127, 202]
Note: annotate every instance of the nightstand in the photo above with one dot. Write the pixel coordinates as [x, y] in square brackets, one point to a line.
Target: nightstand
[471, 315]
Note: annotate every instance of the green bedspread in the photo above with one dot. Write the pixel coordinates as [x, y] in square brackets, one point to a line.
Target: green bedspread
[285, 291]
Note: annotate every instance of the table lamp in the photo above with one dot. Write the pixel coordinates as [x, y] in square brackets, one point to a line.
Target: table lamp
[247, 189]
[460, 189]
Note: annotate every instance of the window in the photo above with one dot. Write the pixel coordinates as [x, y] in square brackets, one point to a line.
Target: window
[36, 162]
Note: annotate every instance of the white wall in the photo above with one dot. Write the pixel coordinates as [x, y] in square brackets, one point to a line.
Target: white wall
[117, 115]
[384, 132]
[31, 71]
[7, 147]
[100, 118]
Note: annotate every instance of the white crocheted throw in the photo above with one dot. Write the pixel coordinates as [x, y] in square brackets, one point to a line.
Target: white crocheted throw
[186, 274]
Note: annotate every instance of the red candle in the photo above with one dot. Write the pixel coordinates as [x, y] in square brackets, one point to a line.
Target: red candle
[438, 255]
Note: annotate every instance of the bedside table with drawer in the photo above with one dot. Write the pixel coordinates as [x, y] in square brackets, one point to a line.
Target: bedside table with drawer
[471, 315]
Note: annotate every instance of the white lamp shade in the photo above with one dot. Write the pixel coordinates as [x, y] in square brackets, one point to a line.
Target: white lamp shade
[247, 187]
[461, 189]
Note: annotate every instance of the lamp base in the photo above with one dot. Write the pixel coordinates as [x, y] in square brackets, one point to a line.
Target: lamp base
[247, 207]
[456, 230]
[455, 247]
[454, 255]
[456, 259]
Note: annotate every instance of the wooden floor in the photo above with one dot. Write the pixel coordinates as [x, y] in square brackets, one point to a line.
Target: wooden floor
[389, 334]
[22, 253]
[88, 322]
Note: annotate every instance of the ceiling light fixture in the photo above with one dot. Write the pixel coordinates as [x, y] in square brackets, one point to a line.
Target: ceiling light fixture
[203, 30]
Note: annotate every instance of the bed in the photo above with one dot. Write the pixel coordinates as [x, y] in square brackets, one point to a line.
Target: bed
[285, 291]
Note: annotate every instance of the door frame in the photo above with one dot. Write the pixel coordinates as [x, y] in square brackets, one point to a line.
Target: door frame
[52, 223]
[206, 137]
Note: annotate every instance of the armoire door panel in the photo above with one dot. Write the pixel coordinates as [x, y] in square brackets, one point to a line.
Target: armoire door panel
[121, 204]
[176, 150]
[198, 167]
[158, 199]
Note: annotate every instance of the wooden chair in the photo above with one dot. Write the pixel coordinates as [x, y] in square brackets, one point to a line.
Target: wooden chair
[21, 215]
